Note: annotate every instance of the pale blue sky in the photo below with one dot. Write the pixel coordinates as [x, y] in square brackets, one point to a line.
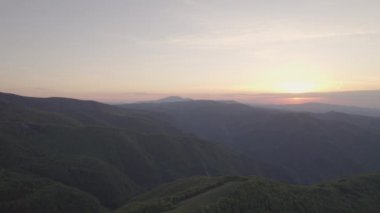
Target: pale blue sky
[122, 48]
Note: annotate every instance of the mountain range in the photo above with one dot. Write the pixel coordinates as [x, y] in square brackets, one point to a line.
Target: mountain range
[324, 108]
[67, 155]
[311, 147]
[106, 152]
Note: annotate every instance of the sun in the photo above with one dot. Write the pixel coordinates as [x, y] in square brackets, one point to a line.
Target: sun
[297, 87]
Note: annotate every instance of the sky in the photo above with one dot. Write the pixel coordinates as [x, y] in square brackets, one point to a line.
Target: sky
[127, 50]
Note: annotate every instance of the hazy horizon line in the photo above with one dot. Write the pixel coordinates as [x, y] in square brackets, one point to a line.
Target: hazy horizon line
[361, 98]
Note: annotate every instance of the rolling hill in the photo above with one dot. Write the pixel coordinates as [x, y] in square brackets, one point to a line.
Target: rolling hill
[252, 194]
[85, 156]
[311, 147]
[108, 153]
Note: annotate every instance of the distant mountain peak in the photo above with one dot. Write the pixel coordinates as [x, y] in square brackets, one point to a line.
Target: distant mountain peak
[173, 99]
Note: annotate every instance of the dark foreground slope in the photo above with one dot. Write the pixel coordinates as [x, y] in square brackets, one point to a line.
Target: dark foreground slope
[20, 192]
[247, 195]
[104, 153]
[311, 147]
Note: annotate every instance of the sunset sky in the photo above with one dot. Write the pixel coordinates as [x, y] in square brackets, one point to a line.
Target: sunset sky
[120, 50]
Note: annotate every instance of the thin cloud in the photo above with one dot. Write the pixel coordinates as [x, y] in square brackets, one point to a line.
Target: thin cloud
[246, 39]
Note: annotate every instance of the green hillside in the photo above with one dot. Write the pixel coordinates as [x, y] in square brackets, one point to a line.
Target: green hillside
[246, 195]
[20, 192]
[65, 155]
[110, 153]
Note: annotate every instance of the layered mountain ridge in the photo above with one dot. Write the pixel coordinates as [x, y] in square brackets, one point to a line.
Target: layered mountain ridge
[85, 156]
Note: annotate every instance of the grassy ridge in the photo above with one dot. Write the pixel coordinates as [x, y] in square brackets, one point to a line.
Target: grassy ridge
[353, 195]
[168, 196]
